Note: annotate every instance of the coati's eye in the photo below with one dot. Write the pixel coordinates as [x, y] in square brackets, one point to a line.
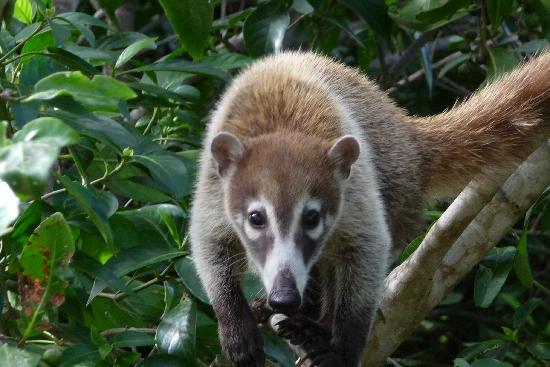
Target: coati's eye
[311, 218]
[256, 218]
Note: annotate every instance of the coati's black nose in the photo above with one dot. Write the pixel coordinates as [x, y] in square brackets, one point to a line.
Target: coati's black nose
[284, 296]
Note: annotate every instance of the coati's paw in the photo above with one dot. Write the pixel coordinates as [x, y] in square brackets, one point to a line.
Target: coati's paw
[243, 345]
[260, 310]
[306, 333]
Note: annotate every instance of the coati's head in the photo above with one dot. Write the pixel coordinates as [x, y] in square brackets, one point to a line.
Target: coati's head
[283, 195]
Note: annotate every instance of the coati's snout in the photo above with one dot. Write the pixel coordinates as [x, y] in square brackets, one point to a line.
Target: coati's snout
[284, 295]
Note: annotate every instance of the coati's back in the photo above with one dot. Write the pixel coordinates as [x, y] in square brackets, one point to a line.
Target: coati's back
[304, 93]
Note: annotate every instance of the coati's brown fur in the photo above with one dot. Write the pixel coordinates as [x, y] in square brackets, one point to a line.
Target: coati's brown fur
[275, 136]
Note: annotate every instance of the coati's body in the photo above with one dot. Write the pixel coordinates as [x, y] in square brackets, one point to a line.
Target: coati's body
[274, 147]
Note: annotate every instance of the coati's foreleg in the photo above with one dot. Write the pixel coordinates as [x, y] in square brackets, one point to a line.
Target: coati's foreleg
[218, 263]
[240, 338]
[354, 292]
[353, 314]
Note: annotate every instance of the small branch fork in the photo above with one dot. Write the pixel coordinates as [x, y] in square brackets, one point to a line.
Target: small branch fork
[473, 224]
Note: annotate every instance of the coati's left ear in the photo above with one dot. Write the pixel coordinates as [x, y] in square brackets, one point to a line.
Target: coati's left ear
[227, 150]
[343, 153]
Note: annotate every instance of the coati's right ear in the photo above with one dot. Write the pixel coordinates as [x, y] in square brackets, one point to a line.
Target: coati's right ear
[227, 150]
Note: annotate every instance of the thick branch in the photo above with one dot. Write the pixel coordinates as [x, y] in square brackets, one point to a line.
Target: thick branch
[420, 283]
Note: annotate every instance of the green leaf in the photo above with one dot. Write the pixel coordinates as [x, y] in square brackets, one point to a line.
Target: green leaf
[130, 339]
[78, 353]
[176, 333]
[523, 312]
[188, 275]
[181, 66]
[133, 49]
[84, 31]
[49, 250]
[71, 60]
[136, 191]
[265, 28]
[460, 362]
[146, 226]
[485, 346]
[26, 165]
[492, 274]
[98, 205]
[276, 348]
[23, 11]
[132, 259]
[100, 93]
[161, 360]
[521, 263]
[489, 362]
[15, 357]
[81, 21]
[502, 61]
[51, 246]
[374, 12]
[168, 172]
[49, 129]
[226, 61]
[39, 42]
[411, 247]
[159, 91]
[83, 18]
[498, 10]
[427, 15]
[453, 64]
[173, 292]
[9, 206]
[192, 20]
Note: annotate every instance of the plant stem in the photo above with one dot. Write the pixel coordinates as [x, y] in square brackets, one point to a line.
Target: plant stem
[94, 182]
[20, 45]
[542, 288]
[155, 280]
[150, 123]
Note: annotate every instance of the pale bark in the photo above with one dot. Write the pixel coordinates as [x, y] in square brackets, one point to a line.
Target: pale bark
[474, 223]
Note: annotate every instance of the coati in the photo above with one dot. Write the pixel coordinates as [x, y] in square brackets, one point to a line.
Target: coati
[310, 173]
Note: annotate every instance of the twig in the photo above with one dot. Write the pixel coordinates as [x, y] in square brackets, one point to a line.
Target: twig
[21, 44]
[410, 53]
[151, 121]
[384, 79]
[419, 73]
[94, 182]
[453, 87]
[155, 280]
[542, 288]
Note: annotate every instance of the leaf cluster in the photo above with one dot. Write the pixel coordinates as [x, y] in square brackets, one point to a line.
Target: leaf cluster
[103, 108]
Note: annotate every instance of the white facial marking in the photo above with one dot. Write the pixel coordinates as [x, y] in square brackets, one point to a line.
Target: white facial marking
[284, 254]
[253, 233]
[315, 233]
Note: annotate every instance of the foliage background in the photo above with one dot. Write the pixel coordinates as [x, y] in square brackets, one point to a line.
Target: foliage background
[104, 105]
